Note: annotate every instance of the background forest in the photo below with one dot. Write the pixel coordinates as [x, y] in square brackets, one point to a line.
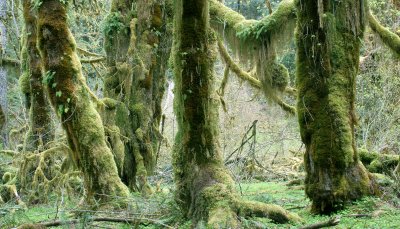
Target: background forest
[101, 126]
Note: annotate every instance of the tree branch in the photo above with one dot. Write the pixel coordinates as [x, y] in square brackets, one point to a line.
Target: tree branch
[96, 219]
[254, 82]
[329, 223]
[389, 38]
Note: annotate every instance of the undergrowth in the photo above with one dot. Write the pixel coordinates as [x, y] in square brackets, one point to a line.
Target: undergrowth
[370, 212]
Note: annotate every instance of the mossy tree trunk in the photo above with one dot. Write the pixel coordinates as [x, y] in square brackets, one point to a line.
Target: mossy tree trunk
[137, 54]
[2, 118]
[41, 129]
[72, 101]
[205, 190]
[328, 45]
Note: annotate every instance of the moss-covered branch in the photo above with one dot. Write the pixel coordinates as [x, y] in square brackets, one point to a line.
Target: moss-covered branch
[254, 82]
[275, 23]
[390, 39]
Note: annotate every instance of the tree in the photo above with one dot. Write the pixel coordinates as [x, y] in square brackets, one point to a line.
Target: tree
[70, 97]
[205, 190]
[137, 49]
[41, 130]
[328, 46]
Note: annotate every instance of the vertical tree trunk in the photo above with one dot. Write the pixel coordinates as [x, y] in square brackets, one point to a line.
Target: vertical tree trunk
[71, 100]
[137, 54]
[3, 74]
[205, 190]
[41, 129]
[328, 45]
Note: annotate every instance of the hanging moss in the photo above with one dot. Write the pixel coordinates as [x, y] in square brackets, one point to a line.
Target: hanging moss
[70, 98]
[258, 42]
[327, 64]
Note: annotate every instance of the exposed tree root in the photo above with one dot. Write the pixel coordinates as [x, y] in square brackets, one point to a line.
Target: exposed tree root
[47, 171]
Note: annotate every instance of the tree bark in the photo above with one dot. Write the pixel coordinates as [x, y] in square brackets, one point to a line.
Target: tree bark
[205, 191]
[137, 55]
[328, 46]
[41, 128]
[72, 102]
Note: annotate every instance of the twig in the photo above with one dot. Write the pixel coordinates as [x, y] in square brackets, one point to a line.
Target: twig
[94, 60]
[329, 223]
[87, 53]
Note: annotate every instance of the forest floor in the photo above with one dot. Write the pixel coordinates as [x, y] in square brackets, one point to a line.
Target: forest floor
[160, 210]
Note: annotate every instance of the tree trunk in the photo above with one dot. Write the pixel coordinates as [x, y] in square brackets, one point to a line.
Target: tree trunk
[41, 128]
[71, 100]
[205, 190]
[328, 45]
[137, 54]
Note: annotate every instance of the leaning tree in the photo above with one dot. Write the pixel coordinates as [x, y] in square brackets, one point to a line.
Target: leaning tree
[71, 99]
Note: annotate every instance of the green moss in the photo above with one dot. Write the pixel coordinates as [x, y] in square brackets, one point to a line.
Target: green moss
[24, 84]
[84, 128]
[391, 39]
[327, 64]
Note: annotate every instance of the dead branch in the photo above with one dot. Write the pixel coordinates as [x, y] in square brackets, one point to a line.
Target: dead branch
[94, 60]
[329, 223]
[87, 53]
[97, 219]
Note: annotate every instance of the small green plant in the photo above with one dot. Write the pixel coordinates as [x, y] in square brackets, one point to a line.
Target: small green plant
[36, 4]
[114, 24]
[48, 78]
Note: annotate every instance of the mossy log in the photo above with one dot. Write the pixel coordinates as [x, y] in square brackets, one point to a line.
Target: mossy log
[389, 38]
[328, 46]
[41, 128]
[70, 98]
[205, 190]
[137, 54]
[378, 162]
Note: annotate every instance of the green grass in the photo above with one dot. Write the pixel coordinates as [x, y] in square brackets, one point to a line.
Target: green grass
[381, 214]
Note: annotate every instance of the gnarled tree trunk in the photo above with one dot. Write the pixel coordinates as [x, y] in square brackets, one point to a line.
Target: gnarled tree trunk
[328, 46]
[41, 129]
[71, 100]
[205, 190]
[137, 54]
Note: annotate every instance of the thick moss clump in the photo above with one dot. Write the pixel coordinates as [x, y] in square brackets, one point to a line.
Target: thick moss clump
[72, 101]
[378, 162]
[328, 45]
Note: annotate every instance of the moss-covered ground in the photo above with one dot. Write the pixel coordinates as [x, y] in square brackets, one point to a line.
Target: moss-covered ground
[370, 212]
